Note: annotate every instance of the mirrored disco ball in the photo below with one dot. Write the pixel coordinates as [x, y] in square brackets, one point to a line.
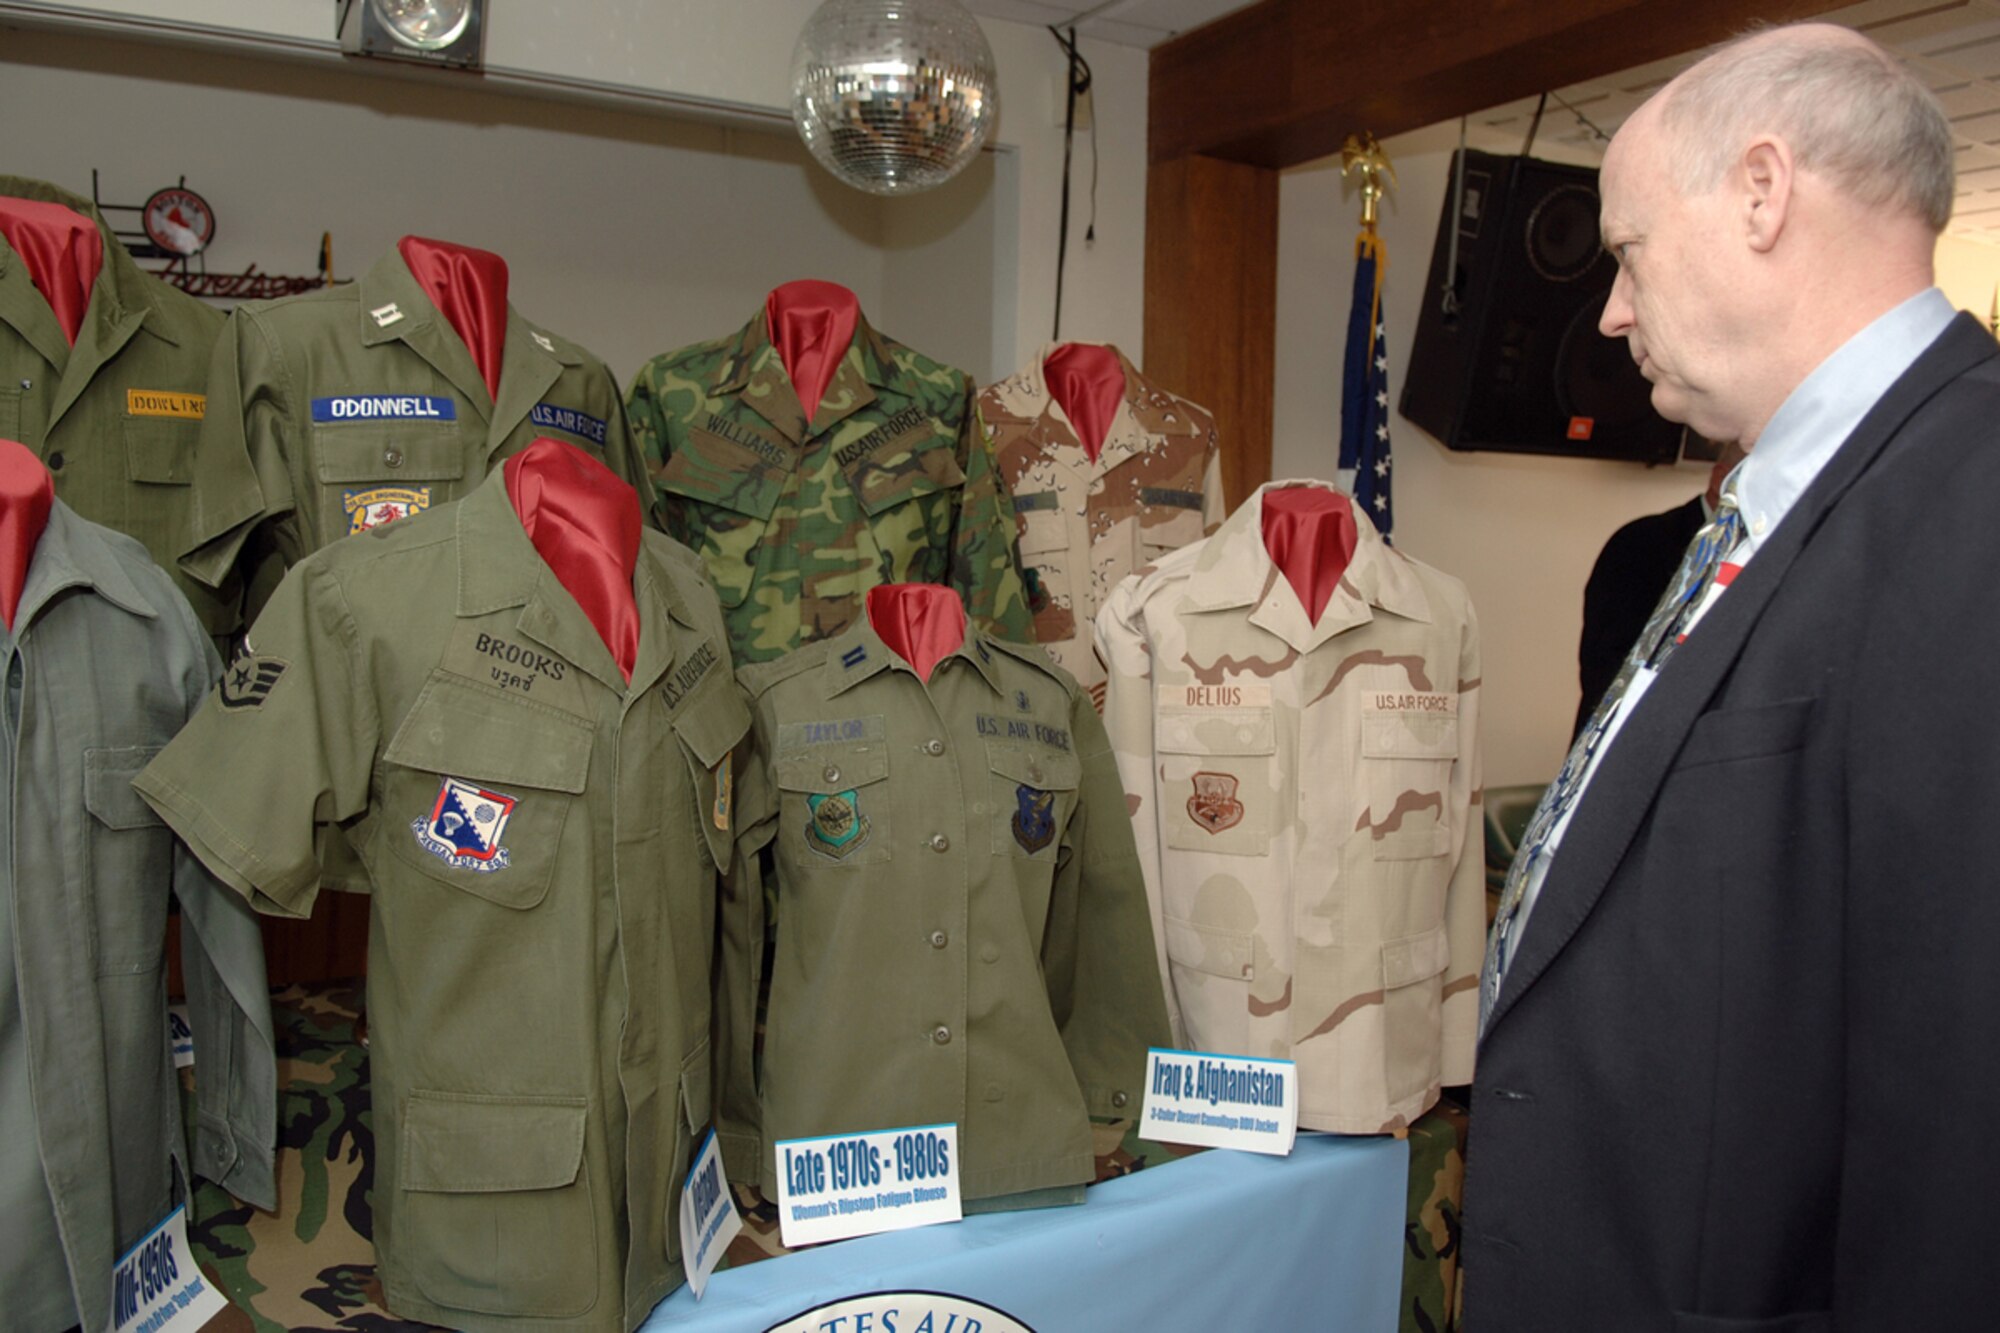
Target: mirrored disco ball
[893, 96]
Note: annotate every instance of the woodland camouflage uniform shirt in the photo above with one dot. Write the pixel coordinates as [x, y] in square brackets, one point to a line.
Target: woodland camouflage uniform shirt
[1085, 524]
[889, 482]
[1306, 797]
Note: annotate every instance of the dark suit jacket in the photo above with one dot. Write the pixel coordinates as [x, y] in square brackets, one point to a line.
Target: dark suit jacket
[1631, 574]
[1743, 1071]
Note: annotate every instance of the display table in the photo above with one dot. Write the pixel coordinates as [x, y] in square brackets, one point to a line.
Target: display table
[1216, 1240]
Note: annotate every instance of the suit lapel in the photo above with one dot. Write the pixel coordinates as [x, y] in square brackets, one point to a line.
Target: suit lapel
[1628, 779]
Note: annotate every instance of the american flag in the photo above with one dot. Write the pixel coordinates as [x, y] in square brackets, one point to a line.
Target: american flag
[1364, 411]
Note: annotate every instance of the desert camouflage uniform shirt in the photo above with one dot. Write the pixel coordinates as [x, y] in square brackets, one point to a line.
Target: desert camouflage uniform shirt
[359, 405]
[1155, 486]
[543, 840]
[796, 520]
[117, 418]
[961, 922]
[1306, 797]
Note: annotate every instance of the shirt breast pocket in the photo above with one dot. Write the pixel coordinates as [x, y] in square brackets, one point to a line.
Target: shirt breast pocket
[1406, 761]
[718, 497]
[908, 487]
[1033, 794]
[1219, 782]
[131, 863]
[377, 473]
[478, 786]
[834, 806]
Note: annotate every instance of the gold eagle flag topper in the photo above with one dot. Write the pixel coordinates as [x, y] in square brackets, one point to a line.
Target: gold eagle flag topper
[1362, 154]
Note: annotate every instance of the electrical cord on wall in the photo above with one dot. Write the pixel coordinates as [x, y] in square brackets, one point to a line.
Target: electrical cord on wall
[1078, 84]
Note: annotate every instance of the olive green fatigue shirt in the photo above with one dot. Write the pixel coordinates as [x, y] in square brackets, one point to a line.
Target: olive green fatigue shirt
[1085, 523]
[890, 482]
[117, 418]
[961, 928]
[1306, 796]
[103, 665]
[358, 405]
[543, 842]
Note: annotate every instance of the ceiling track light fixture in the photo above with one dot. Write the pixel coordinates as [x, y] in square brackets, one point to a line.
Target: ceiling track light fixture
[429, 32]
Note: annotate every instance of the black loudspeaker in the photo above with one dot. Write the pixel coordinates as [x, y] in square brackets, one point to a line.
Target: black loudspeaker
[1518, 365]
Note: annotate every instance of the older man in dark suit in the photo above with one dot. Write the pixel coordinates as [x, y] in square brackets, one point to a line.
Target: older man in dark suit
[1741, 1003]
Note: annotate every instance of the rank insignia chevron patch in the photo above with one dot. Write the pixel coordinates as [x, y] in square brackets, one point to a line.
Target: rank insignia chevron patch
[248, 681]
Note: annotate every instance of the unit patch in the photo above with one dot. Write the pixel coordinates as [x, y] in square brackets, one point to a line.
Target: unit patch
[384, 504]
[1214, 805]
[163, 403]
[249, 680]
[384, 407]
[836, 826]
[725, 787]
[568, 420]
[463, 829]
[1034, 818]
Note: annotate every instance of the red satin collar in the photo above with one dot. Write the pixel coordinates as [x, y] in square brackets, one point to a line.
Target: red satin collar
[26, 495]
[1311, 536]
[469, 288]
[1087, 381]
[63, 251]
[811, 323]
[922, 623]
[585, 524]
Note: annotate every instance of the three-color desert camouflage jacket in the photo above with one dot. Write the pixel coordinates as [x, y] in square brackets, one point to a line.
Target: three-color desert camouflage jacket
[1307, 803]
[1085, 524]
[889, 482]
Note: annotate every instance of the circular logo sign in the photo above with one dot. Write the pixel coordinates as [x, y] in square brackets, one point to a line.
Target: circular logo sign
[179, 221]
[906, 1312]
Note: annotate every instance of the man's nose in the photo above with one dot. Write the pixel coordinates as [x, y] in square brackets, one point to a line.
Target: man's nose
[1616, 321]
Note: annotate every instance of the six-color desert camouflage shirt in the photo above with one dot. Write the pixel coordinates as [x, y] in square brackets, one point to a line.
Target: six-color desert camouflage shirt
[1306, 798]
[960, 918]
[889, 482]
[1084, 525]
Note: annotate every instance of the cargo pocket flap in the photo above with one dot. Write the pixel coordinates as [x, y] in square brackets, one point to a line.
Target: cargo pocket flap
[1409, 735]
[1215, 731]
[1210, 949]
[901, 469]
[1043, 528]
[424, 453]
[1415, 958]
[1428, 839]
[107, 786]
[470, 1143]
[1173, 528]
[721, 472]
[1044, 770]
[831, 770]
[470, 731]
[160, 452]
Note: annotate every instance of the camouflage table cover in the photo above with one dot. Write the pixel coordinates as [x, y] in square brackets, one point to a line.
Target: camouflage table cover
[311, 1266]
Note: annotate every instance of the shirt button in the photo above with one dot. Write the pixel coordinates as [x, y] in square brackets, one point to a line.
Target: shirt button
[941, 1035]
[392, 456]
[56, 461]
[27, 384]
[940, 843]
[939, 939]
[1119, 1099]
[1034, 772]
[832, 774]
[933, 746]
[990, 954]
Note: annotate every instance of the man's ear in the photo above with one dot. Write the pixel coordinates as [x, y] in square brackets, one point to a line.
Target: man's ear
[1766, 170]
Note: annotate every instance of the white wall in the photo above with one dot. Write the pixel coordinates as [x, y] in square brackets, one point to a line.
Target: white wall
[721, 211]
[1521, 531]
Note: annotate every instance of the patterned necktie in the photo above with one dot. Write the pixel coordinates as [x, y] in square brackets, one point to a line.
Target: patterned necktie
[1663, 633]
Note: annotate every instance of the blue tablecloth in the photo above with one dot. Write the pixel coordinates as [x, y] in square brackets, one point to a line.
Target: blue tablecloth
[1219, 1240]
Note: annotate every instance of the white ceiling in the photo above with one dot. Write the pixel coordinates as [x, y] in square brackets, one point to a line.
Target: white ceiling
[1144, 23]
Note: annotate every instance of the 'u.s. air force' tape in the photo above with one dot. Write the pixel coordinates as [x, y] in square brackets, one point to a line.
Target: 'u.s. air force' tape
[156, 1285]
[857, 1184]
[1220, 1101]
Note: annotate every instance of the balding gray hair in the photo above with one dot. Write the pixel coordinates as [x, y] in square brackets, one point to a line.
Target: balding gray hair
[1848, 109]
